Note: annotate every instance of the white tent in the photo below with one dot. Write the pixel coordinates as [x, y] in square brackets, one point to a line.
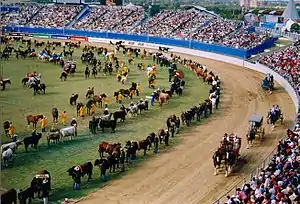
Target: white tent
[290, 11]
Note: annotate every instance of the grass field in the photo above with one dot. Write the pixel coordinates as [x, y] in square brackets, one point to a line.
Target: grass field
[17, 102]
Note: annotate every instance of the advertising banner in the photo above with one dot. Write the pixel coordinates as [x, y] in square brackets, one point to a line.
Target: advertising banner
[79, 38]
[63, 37]
[38, 35]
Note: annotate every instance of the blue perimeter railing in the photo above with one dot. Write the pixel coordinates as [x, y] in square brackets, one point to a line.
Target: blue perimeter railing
[241, 53]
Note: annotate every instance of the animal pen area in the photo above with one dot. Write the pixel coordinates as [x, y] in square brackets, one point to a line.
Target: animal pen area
[17, 102]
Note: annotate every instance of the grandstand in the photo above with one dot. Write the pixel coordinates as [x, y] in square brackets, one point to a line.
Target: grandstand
[185, 23]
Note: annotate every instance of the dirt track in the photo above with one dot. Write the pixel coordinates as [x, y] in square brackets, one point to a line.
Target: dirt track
[185, 174]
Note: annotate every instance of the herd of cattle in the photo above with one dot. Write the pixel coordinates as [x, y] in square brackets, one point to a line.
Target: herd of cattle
[116, 152]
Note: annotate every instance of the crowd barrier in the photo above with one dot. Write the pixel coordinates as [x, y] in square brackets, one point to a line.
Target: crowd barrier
[67, 33]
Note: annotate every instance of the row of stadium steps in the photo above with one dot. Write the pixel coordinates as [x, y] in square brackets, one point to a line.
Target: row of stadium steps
[83, 13]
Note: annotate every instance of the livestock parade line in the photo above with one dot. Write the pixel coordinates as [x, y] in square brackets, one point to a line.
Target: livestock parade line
[115, 150]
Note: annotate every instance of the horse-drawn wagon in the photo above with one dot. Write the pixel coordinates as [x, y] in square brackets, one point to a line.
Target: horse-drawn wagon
[256, 128]
[268, 83]
[227, 154]
[274, 115]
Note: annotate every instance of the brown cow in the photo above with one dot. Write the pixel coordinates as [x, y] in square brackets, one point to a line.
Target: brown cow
[163, 98]
[34, 119]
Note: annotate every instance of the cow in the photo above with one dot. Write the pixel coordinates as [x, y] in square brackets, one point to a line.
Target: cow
[37, 182]
[11, 145]
[33, 140]
[120, 114]
[9, 197]
[55, 136]
[27, 194]
[68, 131]
[7, 157]
[108, 124]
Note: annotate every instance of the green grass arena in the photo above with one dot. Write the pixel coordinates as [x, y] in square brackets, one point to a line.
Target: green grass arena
[17, 102]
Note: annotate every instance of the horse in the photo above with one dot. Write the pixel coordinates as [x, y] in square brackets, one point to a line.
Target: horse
[63, 76]
[217, 159]
[34, 119]
[38, 87]
[55, 115]
[163, 98]
[73, 99]
[4, 82]
[97, 100]
[85, 169]
[89, 93]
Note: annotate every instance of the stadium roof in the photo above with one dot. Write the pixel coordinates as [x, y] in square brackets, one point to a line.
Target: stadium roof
[290, 11]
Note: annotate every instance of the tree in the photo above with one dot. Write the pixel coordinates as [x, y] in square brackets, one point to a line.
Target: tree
[295, 27]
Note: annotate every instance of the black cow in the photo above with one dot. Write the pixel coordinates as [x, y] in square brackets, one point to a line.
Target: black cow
[108, 124]
[27, 194]
[37, 182]
[9, 197]
[33, 140]
[143, 106]
[120, 114]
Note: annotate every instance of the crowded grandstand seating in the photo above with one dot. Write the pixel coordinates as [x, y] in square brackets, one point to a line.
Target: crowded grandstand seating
[287, 63]
[196, 22]
[167, 22]
[279, 182]
[242, 39]
[26, 12]
[52, 16]
[118, 19]
[181, 24]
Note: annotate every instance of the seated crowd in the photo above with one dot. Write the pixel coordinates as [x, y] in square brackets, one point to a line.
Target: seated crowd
[287, 63]
[25, 13]
[119, 19]
[170, 23]
[182, 24]
[52, 16]
[279, 182]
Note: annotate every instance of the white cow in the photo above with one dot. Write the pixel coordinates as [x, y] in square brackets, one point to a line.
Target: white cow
[68, 131]
[12, 145]
[7, 157]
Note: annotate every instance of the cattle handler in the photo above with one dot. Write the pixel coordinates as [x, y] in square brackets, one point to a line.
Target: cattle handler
[63, 117]
[44, 123]
[11, 132]
[120, 98]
